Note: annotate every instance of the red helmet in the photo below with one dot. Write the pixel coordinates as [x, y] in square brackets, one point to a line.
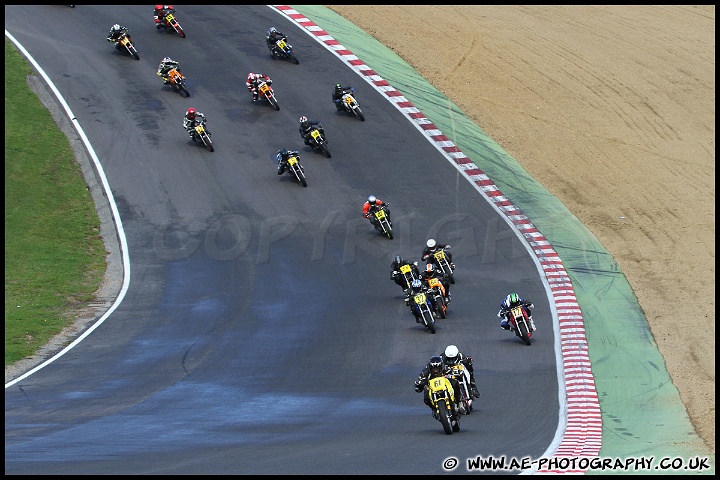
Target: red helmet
[190, 113]
[158, 7]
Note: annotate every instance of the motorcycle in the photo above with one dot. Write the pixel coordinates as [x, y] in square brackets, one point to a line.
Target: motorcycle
[127, 42]
[284, 50]
[437, 290]
[200, 135]
[351, 105]
[462, 375]
[381, 223]
[442, 399]
[294, 167]
[439, 259]
[422, 310]
[177, 80]
[266, 92]
[170, 22]
[408, 275]
[318, 142]
[519, 322]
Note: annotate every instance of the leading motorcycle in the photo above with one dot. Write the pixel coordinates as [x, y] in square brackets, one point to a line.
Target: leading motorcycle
[294, 168]
[284, 51]
[201, 135]
[519, 322]
[442, 399]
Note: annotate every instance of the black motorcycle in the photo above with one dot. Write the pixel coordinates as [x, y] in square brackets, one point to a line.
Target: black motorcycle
[318, 142]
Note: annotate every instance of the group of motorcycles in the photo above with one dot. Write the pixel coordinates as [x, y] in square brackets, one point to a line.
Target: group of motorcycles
[427, 305]
[432, 301]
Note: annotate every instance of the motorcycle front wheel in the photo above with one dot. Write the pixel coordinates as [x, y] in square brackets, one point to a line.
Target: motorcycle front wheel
[359, 114]
[273, 103]
[445, 418]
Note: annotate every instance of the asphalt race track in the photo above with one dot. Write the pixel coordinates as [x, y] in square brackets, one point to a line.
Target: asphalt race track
[261, 333]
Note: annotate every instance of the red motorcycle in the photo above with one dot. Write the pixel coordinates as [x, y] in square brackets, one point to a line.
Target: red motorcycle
[519, 322]
[171, 23]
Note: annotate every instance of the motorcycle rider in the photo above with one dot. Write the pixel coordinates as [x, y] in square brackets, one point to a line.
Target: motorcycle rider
[508, 303]
[372, 205]
[397, 276]
[115, 32]
[306, 126]
[161, 11]
[252, 82]
[452, 356]
[193, 118]
[282, 156]
[435, 368]
[165, 66]
[432, 272]
[338, 93]
[432, 247]
[417, 287]
[272, 36]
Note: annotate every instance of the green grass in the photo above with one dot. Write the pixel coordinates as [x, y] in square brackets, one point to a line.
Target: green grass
[54, 256]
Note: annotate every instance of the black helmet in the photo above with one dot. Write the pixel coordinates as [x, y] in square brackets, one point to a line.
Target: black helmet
[304, 122]
[284, 152]
[436, 365]
[398, 260]
[338, 88]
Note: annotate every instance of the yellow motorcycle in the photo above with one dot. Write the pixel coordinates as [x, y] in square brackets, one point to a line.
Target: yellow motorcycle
[442, 399]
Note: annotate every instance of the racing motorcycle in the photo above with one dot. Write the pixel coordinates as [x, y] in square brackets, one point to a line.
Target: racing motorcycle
[349, 104]
[317, 142]
[284, 51]
[126, 42]
[171, 23]
[266, 93]
[293, 167]
[201, 135]
[437, 290]
[408, 275]
[381, 223]
[422, 310]
[439, 259]
[442, 399]
[519, 323]
[177, 80]
[465, 400]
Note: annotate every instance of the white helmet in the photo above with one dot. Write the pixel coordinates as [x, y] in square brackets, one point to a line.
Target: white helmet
[372, 199]
[116, 27]
[451, 354]
[431, 243]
